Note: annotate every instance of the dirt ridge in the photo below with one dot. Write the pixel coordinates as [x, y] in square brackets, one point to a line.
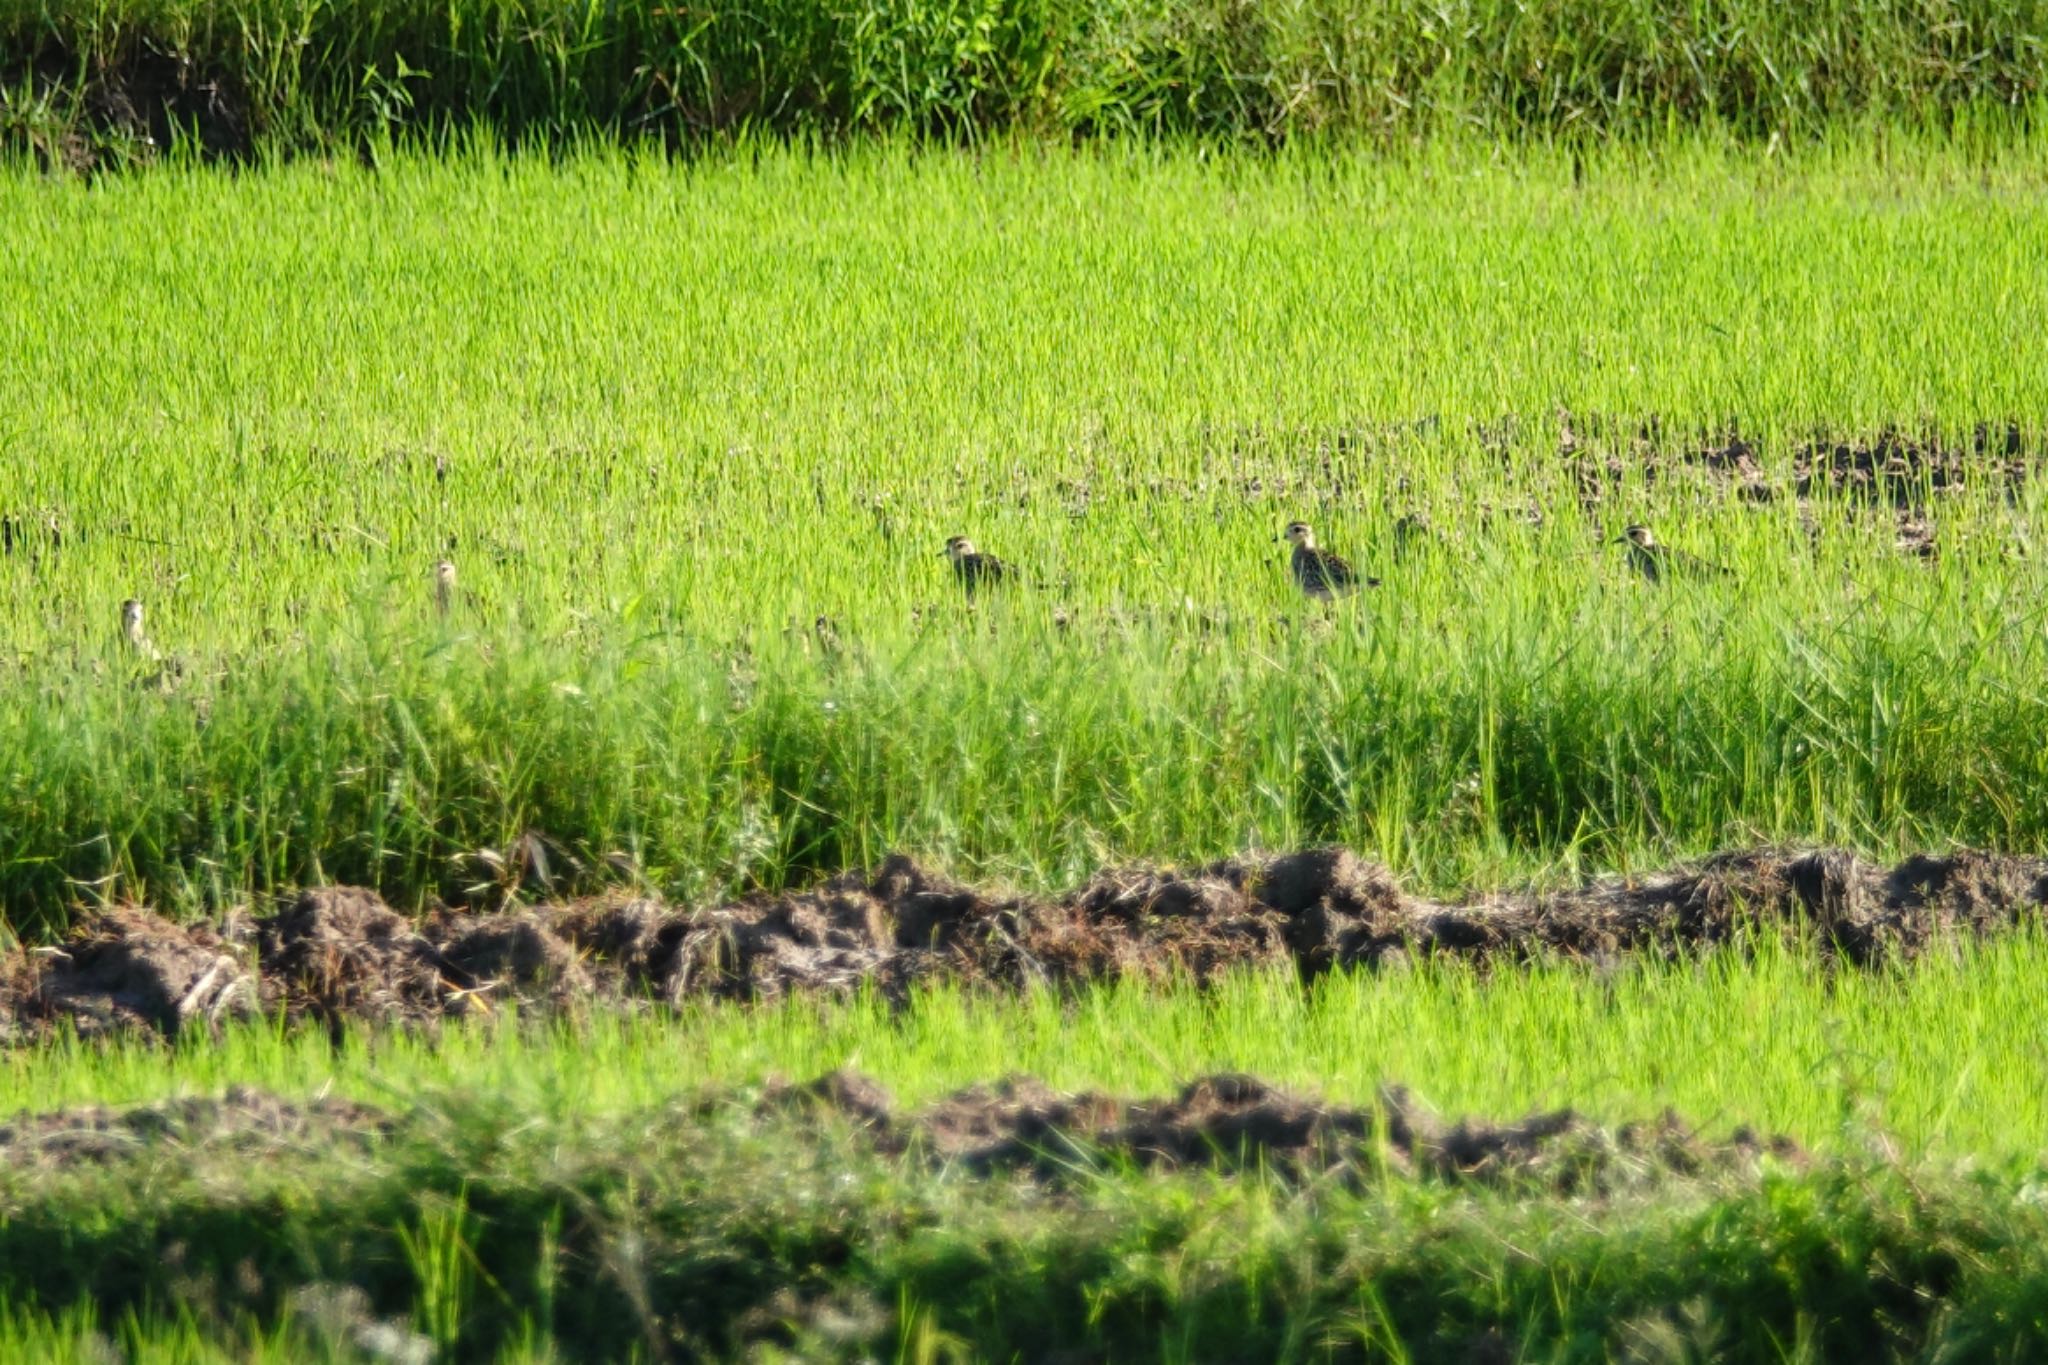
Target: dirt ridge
[339, 955]
[1233, 1120]
[1015, 1125]
[243, 1120]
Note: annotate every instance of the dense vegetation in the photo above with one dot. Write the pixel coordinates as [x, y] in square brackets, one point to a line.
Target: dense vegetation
[558, 1189]
[1119, 289]
[483, 1231]
[663, 417]
[116, 82]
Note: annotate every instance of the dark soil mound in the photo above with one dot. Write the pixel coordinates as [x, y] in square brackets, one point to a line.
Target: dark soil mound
[341, 954]
[517, 952]
[1238, 1121]
[126, 968]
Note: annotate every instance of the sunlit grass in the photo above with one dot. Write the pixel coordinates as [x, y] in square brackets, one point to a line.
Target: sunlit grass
[551, 1189]
[1944, 1059]
[664, 416]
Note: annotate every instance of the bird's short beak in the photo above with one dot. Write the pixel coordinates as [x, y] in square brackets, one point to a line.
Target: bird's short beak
[942, 553]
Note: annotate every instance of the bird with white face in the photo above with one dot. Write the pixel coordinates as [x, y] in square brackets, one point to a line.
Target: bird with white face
[1656, 561]
[972, 568]
[1319, 573]
[444, 587]
[133, 634]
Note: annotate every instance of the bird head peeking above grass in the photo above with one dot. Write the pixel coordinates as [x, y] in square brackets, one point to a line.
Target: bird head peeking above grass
[972, 568]
[444, 585]
[1638, 535]
[1300, 535]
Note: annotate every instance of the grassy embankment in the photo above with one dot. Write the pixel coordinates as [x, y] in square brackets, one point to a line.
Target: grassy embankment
[663, 417]
[495, 1236]
[544, 1192]
[1942, 1059]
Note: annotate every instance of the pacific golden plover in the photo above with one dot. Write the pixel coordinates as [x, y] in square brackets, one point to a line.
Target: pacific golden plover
[1319, 573]
[973, 568]
[132, 632]
[826, 632]
[444, 586]
[150, 668]
[1655, 560]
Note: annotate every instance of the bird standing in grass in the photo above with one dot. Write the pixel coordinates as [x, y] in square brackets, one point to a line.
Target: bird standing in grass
[150, 667]
[1319, 573]
[973, 568]
[133, 633]
[444, 587]
[826, 632]
[1655, 560]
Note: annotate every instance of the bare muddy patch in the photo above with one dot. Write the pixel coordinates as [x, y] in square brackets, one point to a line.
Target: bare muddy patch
[1611, 458]
[340, 955]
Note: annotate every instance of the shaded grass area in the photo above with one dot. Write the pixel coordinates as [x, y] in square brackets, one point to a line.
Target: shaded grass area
[481, 1229]
[1939, 1060]
[564, 1193]
[662, 418]
[117, 83]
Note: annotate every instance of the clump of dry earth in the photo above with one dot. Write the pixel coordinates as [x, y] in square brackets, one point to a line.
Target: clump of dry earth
[339, 954]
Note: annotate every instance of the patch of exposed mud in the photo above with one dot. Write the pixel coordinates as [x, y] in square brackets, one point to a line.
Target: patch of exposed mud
[338, 955]
[1237, 1121]
[1891, 467]
[243, 1120]
[1611, 458]
[1890, 483]
[1904, 470]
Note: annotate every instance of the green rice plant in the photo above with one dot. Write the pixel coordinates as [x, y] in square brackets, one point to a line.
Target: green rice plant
[148, 1336]
[439, 1254]
[1934, 1061]
[710, 1231]
[662, 417]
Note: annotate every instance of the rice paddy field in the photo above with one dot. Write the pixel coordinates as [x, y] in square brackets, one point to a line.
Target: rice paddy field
[663, 418]
[767, 949]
